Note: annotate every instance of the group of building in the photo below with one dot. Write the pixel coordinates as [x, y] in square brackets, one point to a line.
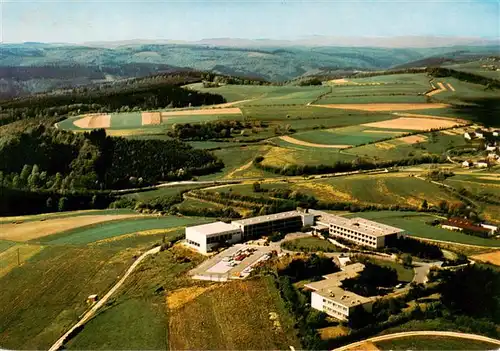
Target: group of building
[207, 237]
[462, 224]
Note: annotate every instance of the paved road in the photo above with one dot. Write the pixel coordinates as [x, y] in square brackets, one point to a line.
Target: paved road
[59, 343]
[476, 337]
[421, 270]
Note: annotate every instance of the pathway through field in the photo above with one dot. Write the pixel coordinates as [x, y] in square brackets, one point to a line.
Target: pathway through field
[379, 107]
[59, 343]
[305, 143]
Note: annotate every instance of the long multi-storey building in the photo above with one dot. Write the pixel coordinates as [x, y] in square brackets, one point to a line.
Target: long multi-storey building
[206, 237]
[329, 297]
[357, 230]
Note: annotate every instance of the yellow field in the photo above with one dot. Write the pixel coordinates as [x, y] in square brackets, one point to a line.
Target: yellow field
[413, 139]
[332, 332]
[180, 297]
[37, 229]
[94, 121]
[9, 257]
[413, 123]
[149, 118]
[491, 257]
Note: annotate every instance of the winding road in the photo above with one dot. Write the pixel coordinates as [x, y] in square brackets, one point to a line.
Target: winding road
[356, 345]
[59, 343]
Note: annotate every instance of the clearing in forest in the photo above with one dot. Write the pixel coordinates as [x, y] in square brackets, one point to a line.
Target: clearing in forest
[413, 123]
[385, 106]
[305, 143]
[150, 118]
[97, 120]
[37, 229]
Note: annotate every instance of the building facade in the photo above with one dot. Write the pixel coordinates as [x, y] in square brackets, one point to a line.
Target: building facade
[204, 238]
[359, 231]
[327, 295]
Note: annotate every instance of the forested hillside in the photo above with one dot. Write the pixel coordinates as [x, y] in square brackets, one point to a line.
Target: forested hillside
[50, 159]
[153, 92]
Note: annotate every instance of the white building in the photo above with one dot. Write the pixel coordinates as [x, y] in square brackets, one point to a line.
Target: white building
[206, 237]
[481, 164]
[493, 228]
[357, 230]
[467, 164]
[329, 297]
[491, 148]
[467, 136]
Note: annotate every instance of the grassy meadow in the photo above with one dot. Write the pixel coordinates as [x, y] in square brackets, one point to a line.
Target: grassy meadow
[433, 343]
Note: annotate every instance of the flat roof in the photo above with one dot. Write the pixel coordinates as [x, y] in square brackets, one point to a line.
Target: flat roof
[358, 224]
[330, 286]
[343, 297]
[267, 218]
[213, 228]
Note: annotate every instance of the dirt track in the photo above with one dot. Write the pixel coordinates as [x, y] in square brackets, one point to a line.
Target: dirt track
[59, 343]
[378, 107]
[305, 143]
[491, 257]
[37, 229]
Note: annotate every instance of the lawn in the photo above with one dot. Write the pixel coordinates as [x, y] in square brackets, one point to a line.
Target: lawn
[47, 294]
[287, 153]
[370, 99]
[353, 135]
[233, 316]
[137, 317]
[88, 234]
[404, 274]
[126, 120]
[434, 343]
[5, 244]
[393, 80]
[309, 244]
[415, 224]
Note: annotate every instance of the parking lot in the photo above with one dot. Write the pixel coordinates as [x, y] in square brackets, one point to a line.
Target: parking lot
[234, 263]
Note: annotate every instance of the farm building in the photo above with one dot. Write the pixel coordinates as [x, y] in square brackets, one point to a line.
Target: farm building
[357, 230]
[328, 296]
[461, 224]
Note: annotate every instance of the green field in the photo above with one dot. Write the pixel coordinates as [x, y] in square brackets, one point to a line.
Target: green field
[48, 293]
[354, 135]
[434, 343]
[394, 80]
[309, 244]
[5, 244]
[163, 191]
[266, 95]
[229, 316]
[415, 224]
[404, 274]
[88, 234]
[476, 67]
[287, 153]
[54, 215]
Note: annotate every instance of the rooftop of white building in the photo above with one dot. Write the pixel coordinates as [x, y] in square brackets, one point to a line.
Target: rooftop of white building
[213, 228]
[267, 218]
[357, 224]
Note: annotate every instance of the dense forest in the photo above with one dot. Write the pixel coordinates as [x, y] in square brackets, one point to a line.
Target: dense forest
[47, 158]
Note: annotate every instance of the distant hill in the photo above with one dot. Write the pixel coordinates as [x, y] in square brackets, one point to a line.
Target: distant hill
[37, 67]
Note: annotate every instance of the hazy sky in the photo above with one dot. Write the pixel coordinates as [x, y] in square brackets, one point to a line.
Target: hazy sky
[91, 20]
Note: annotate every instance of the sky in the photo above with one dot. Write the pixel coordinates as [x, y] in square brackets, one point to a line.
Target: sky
[90, 20]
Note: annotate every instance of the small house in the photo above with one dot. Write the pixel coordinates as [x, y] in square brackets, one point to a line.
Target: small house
[467, 164]
[496, 133]
[468, 136]
[492, 228]
[491, 148]
[482, 164]
[493, 156]
[478, 133]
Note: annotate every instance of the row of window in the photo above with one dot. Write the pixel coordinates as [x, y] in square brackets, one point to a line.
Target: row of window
[337, 305]
[344, 230]
[219, 238]
[334, 312]
[193, 243]
[370, 241]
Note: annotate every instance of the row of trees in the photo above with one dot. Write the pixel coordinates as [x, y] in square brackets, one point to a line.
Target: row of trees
[344, 166]
[210, 130]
